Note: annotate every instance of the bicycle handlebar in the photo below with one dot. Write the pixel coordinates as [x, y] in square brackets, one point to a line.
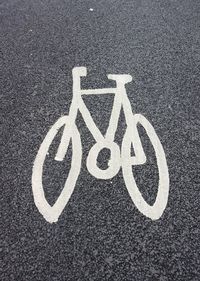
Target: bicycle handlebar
[78, 72]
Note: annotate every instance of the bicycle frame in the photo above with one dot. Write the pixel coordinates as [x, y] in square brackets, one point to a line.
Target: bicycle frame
[107, 141]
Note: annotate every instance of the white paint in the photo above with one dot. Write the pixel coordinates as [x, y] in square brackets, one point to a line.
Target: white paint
[51, 214]
[91, 9]
[118, 159]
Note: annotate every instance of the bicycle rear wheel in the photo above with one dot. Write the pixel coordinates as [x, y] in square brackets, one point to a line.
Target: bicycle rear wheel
[52, 213]
[132, 137]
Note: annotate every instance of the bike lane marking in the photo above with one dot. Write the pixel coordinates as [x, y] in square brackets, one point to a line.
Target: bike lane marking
[124, 159]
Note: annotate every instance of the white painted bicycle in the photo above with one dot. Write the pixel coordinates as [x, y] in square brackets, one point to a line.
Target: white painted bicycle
[117, 159]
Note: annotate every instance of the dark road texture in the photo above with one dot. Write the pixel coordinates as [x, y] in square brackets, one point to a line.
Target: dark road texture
[100, 235]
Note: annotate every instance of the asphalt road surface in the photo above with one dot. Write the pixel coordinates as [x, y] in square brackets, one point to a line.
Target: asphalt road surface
[101, 234]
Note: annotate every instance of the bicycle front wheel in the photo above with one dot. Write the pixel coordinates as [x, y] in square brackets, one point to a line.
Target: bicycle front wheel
[131, 137]
[52, 213]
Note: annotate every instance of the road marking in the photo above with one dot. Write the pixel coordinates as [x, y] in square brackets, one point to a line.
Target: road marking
[118, 158]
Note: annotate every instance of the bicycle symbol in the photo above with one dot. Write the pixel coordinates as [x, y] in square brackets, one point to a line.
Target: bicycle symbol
[117, 159]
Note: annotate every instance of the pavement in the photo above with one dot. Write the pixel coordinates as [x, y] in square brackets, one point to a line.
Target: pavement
[100, 235]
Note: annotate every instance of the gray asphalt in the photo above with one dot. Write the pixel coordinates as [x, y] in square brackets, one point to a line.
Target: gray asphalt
[100, 235]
